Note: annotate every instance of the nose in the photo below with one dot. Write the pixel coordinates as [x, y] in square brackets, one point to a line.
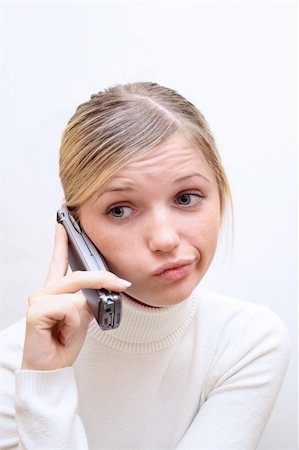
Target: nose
[163, 232]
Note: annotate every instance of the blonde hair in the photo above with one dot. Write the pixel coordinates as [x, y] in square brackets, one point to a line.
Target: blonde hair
[121, 124]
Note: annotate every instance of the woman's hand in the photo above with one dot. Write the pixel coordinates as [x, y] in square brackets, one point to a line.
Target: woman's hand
[58, 315]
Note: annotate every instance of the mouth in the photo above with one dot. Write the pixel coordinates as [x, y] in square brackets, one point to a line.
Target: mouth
[174, 271]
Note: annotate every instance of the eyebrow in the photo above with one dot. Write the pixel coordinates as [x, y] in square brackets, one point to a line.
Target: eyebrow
[131, 188]
[113, 189]
[117, 189]
[186, 177]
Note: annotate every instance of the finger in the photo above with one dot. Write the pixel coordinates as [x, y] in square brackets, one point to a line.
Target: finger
[62, 312]
[42, 296]
[59, 263]
[72, 323]
[87, 279]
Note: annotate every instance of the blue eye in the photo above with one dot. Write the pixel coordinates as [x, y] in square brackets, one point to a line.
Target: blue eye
[119, 212]
[184, 199]
[188, 198]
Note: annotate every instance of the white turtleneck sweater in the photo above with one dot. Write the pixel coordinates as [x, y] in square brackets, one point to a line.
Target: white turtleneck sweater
[203, 374]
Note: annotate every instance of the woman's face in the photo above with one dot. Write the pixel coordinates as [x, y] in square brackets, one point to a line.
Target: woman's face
[157, 222]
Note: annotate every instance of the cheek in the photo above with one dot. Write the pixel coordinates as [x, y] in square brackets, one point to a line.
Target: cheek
[107, 243]
[110, 247]
[117, 245]
[208, 233]
[118, 251]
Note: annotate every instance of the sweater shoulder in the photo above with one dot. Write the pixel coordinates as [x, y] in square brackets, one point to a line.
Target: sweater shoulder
[241, 339]
[232, 318]
[14, 333]
[11, 344]
[225, 304]
[225, 307]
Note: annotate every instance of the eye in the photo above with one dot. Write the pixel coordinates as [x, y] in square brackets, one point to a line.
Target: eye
[188, 198]
[119, 212]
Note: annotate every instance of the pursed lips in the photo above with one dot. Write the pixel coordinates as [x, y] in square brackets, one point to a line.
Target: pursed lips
[175, 270]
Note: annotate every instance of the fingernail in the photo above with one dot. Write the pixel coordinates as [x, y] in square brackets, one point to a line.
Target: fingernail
[124, 282]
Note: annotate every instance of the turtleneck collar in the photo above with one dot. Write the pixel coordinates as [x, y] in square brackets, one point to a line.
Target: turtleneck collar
[146, 329]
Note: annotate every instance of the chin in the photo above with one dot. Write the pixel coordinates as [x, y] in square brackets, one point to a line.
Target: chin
[165, 297]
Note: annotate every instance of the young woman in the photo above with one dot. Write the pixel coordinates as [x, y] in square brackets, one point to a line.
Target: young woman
[187, 368]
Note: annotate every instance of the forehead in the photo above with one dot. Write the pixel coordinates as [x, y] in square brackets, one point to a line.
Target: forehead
[176, 155]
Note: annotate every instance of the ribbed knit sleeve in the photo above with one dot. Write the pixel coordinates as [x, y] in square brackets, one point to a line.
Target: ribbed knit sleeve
[38, 409]
[46, 404]
[242, 387]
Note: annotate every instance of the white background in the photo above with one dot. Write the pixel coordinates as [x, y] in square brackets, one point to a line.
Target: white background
[235, 61]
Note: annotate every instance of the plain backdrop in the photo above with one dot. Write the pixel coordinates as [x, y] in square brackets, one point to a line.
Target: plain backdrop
[235, 61]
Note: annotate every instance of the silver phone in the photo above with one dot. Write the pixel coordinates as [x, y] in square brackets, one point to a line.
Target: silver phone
[83, 255]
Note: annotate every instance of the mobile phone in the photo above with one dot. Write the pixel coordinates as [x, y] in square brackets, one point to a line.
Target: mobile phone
[83, 255]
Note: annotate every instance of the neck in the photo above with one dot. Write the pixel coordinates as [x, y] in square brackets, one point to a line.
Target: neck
[144, 328]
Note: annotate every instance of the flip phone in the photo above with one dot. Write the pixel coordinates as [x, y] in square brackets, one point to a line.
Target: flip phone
[83, 255]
